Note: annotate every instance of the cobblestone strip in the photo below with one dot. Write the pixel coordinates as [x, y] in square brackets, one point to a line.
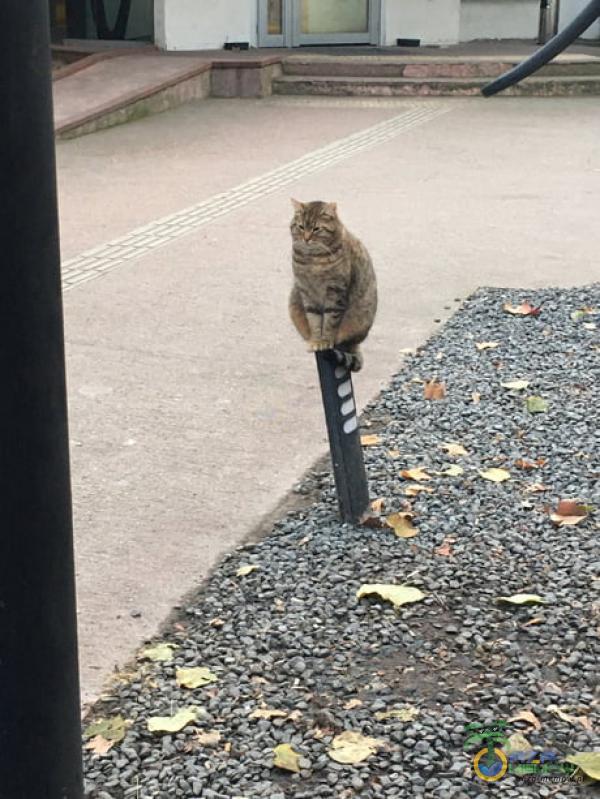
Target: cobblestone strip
[99, 260]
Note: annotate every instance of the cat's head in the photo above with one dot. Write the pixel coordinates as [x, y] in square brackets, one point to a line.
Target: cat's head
[315, 224]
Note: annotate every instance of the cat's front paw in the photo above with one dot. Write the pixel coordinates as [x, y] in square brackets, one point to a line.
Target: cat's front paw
[318, 345]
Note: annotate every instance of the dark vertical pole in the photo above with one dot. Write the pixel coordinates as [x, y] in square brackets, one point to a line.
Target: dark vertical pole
[76, 22]
[40, 756]
[344, 439]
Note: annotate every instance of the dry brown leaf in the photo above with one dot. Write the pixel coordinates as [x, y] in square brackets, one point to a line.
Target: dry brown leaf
[394, 453]
[444, 551]
[375, 522]
[524, 309]
[414, 489]
[433, 390]
[217, 622]
[475, 397]
[521, 463]
[377, 505]
[487, 345]
[210, 738]
[353, 703]
[584, 721]
[402, 524]
[536, 488]
[529, 717]
[370, 440]
[268, 713]
[568, 513]
[99, 745]
[417, 474]
[453, 449]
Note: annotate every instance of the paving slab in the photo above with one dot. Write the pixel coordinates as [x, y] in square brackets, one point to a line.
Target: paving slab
[193, 406]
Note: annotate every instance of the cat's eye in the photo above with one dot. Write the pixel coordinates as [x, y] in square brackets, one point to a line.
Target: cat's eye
[316, 229]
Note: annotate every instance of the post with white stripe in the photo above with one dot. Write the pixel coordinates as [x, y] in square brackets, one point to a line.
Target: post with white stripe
[344, 440]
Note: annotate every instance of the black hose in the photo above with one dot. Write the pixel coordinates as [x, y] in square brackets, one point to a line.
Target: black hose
[555, 46]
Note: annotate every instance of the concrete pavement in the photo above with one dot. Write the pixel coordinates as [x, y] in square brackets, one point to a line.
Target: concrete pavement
[193, 405]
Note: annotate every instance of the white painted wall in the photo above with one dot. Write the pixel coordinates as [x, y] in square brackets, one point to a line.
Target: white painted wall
[569, 9]
[431, 21]
[204, 24]
[499, 19]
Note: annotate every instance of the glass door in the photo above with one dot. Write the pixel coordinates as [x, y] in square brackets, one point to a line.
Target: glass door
[292, 23]
[333, 22]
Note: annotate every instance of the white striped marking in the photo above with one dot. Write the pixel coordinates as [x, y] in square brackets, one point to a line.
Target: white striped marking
[100, 260]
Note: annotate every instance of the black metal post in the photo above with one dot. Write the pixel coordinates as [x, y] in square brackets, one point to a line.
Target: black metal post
[40, 754]
[344, 439]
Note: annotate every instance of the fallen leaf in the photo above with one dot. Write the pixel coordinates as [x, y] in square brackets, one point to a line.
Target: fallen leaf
[402, 525]
[581, 313]
[589, 325]
[433, 390]
[568, 513]
[351, 704]
[453, 471]
[183, 718]
[210, 738]
[453, 449]
[159, 653]
[194, 678]
[445, 550]
[417, 474]
[559, 712]
[521, 463]
[535, 488]
[370, 440]
[377, 505]
[352, 747]
[515, 385]
[588, 762]
[99, 745]
[524, 309]
[112, 729]
[403, 714]
[413, 489]
[495, 475]
[475, 397]
[529, 717]
[267, 713]
[243, 571]
[517, 742]
[536, 404]
[216, 622]
[375, 522]
[398, 595]
[286, 758]
[394, 453]
[486, 345]
[522, 599]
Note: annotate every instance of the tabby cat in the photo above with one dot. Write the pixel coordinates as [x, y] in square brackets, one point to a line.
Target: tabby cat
[334, 297]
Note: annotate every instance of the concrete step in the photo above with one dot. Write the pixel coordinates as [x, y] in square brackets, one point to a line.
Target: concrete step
[431, 67]
[414, 87]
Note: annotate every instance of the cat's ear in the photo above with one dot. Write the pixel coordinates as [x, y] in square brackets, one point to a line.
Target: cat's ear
[298, 206]
[331, 208]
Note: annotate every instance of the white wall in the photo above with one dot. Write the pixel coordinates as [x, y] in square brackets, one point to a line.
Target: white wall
[431, 21]
[499, 19]
[569, 9]
[204, 24]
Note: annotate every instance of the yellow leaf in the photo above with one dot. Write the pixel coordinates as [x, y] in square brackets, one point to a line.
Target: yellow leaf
[522, 599]
[402, 524]
[370, 440]
[515, 385]
[413, 489]
[453, 449]
[160, 652]
[394, 453]
[377, 505]
[495, 475]
[517, 742]
[99, 745]
[487, 345]
[588, 762]
[286, 758]
[475, 397]
[194, 678]
[403, 714]
[417, 474]
[453, 471]
[181, 719]
[529, 717]
[267, 713]
[353, 703]
[112, 729]
[398, 595]
[243, 571]
[351, 747]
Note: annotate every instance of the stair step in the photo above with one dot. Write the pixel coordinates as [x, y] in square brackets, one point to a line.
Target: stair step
[372, 66]
[408, 87]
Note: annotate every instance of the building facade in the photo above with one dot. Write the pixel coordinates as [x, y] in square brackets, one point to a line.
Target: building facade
[210, 24]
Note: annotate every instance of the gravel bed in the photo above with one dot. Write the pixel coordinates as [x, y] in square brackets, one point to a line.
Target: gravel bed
[291, 635]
